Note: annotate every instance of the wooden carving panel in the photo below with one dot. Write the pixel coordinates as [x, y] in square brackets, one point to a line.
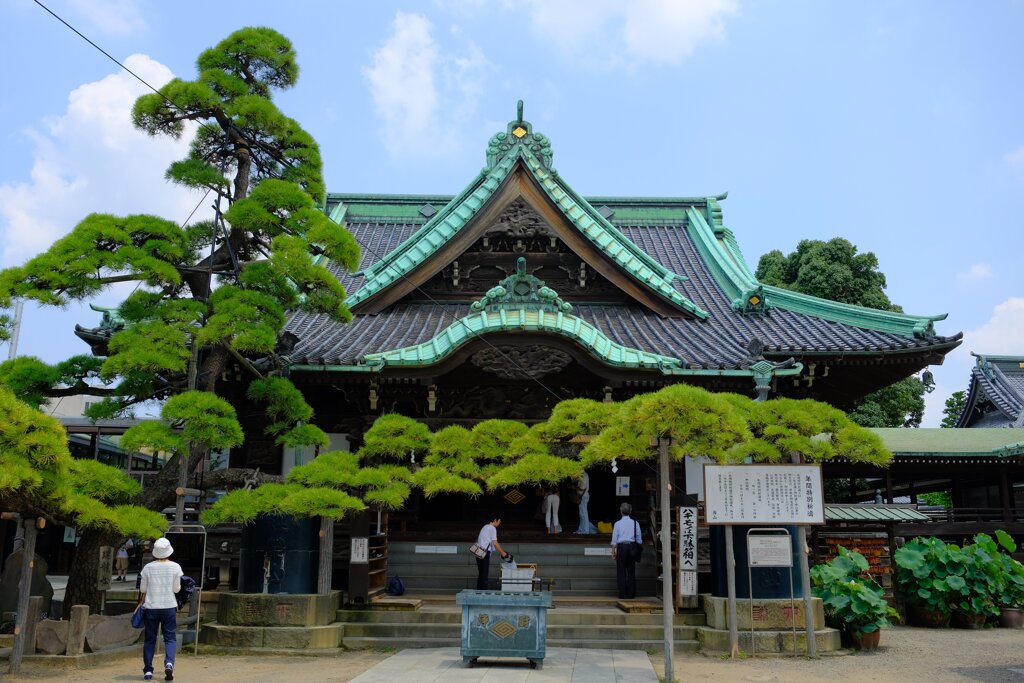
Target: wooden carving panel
[521, 362]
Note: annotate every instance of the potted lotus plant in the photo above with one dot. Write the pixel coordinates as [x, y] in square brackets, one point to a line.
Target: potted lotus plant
[853, 603]
[1010, 592]
[928, 576]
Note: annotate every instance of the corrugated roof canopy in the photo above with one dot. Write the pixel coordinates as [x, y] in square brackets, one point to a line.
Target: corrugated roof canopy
[873, 513]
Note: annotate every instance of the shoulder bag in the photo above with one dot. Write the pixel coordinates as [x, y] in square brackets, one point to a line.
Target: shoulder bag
[478, 551]
[637, 549]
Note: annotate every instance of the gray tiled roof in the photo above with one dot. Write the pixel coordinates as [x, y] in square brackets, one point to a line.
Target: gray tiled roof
[999, 381]
[714, 343]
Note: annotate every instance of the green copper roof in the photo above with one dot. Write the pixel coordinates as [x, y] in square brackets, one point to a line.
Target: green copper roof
[521, 320]
[519, 146]
[721, 253]
[934, 441]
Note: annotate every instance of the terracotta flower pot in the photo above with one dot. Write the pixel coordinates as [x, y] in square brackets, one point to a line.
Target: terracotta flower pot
[866, 641]
[1011, 617]
[918, 615]
[968, 620]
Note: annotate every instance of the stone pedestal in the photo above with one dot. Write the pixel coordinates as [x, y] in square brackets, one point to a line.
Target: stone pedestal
[772, 626]
[278, 622]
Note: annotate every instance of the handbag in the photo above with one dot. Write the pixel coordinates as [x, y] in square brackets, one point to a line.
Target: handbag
[478, 551]
[636, 551]
[139, 617]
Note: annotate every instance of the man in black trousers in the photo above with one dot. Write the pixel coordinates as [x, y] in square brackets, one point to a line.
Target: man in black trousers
[625, 533]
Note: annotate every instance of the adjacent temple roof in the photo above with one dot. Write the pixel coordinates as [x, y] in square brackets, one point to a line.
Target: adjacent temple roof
[996, 394]
[694, 304]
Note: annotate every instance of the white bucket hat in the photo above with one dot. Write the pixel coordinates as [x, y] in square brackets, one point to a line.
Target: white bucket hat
[162, 548]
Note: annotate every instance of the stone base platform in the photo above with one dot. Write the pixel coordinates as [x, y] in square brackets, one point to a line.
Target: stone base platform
[772, 622]
[767, 642]
[272, 637]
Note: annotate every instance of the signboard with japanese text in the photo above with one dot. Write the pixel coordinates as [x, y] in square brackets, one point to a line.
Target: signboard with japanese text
[360, 551]
[763, 494]
[687, 584]
[769, 551]
[688, 539]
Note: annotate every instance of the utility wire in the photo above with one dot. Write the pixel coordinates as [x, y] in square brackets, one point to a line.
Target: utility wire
[285, 162]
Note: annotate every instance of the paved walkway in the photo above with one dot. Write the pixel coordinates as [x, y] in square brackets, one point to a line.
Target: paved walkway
[561, 664]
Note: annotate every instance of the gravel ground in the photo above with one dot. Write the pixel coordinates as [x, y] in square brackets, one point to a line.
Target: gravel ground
[906, 655]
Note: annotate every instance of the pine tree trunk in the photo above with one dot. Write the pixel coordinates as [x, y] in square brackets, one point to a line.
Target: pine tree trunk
[81, 589]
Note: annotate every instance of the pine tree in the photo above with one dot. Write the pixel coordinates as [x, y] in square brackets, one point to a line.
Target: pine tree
[210, 294]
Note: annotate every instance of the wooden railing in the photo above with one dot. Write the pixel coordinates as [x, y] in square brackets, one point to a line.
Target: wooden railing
[951, 515]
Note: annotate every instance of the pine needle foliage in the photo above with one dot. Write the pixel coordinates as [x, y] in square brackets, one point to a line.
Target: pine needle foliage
[394, 437]
[491, 439]
[577, 417]
[38, 477]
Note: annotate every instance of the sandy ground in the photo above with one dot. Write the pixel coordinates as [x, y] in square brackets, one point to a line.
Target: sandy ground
[906, 654]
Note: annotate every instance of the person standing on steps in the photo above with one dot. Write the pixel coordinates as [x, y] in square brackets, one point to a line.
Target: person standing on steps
[487, 538]
[158, 582]
[625, 533]
[551, 503]
[583, 491]
[121, 561]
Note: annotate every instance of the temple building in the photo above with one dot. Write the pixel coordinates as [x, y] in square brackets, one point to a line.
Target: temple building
[518, 292]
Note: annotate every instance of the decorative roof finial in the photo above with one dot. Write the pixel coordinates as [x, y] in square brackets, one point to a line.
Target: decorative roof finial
[519, 134]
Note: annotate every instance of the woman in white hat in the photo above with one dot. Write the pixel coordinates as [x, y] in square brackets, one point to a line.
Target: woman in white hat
[160, 580]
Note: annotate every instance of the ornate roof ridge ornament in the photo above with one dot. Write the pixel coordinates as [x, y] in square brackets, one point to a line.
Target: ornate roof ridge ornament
[521, 290]
[519, 133]
[763, 370]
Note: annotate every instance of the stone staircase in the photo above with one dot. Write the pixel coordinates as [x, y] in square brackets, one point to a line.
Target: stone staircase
[573, 565]
[439, 625]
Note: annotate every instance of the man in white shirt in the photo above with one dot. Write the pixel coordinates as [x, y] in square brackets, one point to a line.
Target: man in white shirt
[625, 533]
[487, 538]
[158, 582]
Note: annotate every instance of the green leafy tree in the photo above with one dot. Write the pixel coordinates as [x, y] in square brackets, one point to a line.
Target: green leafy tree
[953, 409]
[335, 485]
[40, 479]
[835, 270]
[213, 293]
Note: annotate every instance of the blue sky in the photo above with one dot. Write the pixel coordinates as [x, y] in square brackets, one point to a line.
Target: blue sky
[899, 126]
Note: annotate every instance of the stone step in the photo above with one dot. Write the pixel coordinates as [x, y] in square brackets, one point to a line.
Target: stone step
[597, 586]
[363, 643]
[418, 566]
[561, 595]
[556, 617]
[570, 632]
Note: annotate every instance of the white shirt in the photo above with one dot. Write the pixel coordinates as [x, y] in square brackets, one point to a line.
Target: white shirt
[626, 530]
[488, 535]
[160, 581]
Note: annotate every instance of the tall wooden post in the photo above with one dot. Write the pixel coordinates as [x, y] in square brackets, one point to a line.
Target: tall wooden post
[805, 582]
[325, 567]
[667, 603]
[730, 578]
[28, 563]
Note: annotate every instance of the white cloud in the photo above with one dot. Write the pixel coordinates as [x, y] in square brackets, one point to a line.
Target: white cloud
[89, 159]
[112, 17]
[1016, 159]
[1001, 334]
[412, 81]
[607, 32]
[977, 271]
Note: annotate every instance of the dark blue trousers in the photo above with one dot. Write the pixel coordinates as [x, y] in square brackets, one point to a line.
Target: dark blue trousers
[167, 621]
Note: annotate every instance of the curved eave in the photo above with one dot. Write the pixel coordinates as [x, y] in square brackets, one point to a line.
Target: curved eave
[729, 269]
[476, 325]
